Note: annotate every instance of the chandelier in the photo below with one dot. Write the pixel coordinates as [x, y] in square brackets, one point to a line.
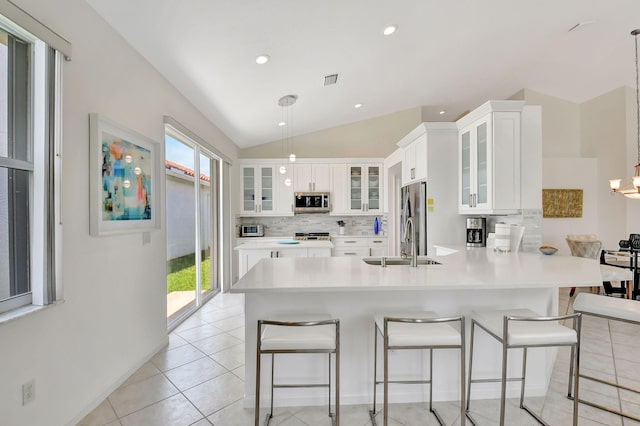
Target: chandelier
[633, 192]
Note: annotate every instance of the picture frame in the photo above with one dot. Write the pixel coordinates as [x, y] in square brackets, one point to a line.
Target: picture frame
[124, 179]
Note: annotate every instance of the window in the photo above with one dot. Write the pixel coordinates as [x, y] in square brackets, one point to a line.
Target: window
[29, 116]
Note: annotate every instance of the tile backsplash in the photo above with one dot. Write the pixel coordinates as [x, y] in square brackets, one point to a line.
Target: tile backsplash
[319, 222]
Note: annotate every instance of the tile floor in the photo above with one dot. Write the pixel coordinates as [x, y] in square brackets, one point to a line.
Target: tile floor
[198, 379]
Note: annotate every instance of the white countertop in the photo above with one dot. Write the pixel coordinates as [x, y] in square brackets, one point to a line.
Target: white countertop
[475, 268]
[260, 245]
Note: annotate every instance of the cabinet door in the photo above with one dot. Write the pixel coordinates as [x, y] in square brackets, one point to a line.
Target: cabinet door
[284, 194]
[356, 190]
[248, 259]
[302, 178]
[483, 155]
[249, 190]
[339, 190]
[353, 251]
[291, 252]
[267, 190]
[378, 247]
[373, 202]
[465, 170]
[409, 164]
[321, 178]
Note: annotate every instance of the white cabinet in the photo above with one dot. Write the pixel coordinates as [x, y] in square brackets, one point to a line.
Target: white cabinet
[489, 159]
[312, 177]
[378, 246]
[363, 185]
[247, 258]
[414, 163]
[360, 246]
[264, 192]
[350, 246]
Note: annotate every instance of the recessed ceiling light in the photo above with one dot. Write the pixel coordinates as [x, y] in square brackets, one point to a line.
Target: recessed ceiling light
[282, 123]
[390, 30]
[442, 112]
[262, 59]
[357, 106]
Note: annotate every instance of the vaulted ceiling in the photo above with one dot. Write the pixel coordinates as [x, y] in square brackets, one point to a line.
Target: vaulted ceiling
[446, 55]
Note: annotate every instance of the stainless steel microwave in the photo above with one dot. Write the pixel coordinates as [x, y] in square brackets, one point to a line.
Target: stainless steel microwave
[311, 202]
[251, 230]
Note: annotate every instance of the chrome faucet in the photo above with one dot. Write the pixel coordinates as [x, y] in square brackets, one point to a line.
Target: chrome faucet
[414, 249]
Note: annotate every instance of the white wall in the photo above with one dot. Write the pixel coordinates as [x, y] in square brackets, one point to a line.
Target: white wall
[114, 314]
[571, 173]
[376, 137]
[604, 129]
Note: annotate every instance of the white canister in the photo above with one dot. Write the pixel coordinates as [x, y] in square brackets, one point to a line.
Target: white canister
[503, 237]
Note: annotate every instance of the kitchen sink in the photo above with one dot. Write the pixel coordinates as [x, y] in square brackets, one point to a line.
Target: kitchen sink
[392, 261]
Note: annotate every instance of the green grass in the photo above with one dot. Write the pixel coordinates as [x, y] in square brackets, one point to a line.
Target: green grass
[182, 273]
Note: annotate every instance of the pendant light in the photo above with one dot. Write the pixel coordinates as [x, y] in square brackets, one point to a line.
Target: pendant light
[286, 102]
[614, 184]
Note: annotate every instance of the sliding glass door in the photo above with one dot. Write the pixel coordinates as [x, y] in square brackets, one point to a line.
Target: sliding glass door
[192, 225]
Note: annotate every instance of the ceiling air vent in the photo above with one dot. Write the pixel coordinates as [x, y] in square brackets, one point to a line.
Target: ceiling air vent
[330, 79]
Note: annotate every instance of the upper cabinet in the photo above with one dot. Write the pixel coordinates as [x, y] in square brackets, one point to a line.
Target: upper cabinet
[364, 182]
[312, 177]
[354, 189]
[414, 163]
[357, 189]
[264, 192]
[489, 145]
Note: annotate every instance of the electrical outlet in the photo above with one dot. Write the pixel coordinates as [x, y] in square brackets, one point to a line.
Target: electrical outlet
[28, 391]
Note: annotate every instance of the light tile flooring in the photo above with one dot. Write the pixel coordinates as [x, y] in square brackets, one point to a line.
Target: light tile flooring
[198, 379]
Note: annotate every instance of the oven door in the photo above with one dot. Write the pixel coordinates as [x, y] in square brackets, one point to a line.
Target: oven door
[311, 202]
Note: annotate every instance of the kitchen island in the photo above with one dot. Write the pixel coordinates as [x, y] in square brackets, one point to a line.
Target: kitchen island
[351, 290]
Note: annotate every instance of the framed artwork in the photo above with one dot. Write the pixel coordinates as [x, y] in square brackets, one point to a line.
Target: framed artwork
[124, 179]
[562, 203]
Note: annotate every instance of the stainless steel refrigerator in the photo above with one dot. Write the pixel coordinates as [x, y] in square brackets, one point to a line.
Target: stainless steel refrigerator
[413, 203]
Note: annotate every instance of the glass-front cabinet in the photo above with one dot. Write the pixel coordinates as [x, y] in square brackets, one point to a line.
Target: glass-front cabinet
[489, 160]
[475, 153]
[266, 191]
[365, 182]
[258, 190]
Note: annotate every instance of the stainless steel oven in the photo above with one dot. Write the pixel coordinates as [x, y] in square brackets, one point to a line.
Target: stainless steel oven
[311, 202]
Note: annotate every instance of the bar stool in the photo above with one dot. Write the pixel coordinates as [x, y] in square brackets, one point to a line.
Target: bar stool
[302, 334]
[416, 330]
[523, 328]
[615, 310]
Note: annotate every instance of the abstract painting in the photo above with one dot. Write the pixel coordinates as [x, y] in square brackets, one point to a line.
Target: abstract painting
[561, 203]
[124, 179]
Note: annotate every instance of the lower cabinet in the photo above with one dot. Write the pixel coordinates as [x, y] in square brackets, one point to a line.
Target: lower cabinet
[247, 258]
[360, 246]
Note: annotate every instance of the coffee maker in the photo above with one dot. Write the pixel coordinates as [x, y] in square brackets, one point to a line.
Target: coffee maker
[476, 232]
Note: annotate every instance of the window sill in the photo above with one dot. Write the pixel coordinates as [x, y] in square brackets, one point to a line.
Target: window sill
[7, 317]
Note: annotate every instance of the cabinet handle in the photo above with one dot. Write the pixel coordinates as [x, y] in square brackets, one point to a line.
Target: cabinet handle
[350, 242]
[413, 173]
[255, 208]
[271, 254]
[377, 242]
[310, 187]
[314, 186]
[349, 254]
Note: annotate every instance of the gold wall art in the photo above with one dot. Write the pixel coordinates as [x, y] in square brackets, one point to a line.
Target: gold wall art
[561, 203]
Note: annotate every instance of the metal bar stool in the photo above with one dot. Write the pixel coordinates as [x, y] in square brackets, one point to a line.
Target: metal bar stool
[523, 328]
[614, 310]
[416, 330]
[300, 335]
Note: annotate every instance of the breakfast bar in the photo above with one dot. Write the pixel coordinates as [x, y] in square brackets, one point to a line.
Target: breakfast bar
[458, 283]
